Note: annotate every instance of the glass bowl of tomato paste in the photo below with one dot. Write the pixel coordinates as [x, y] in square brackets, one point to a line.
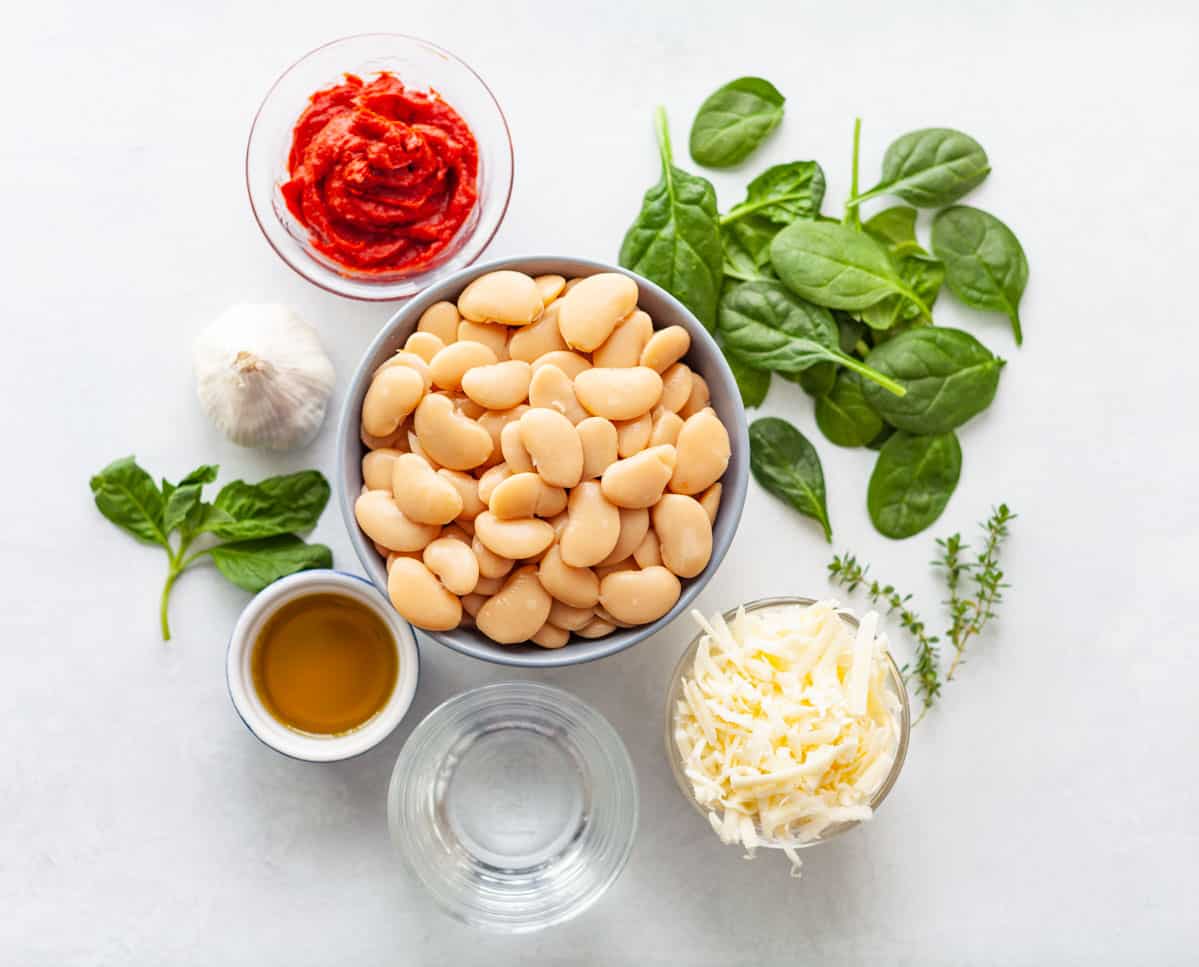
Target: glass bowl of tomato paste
[379, 164]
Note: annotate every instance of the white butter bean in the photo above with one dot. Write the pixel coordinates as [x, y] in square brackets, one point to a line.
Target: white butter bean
[551, 389]
[618, 394]
[551, 501]
[575, 586]
[449, 365]
[454, 564]
[376, 468]
[638, 481]
[676, 388]
[593, 527]
[440, 319]
[420, 598]
[468, 490]
[500, 386]
[591, 309]
[542, 337]
[666, 347]
[601, 444]
[553, 445]
[491, 565]
[398, 440]
[492, 335]
[647, 553]
[666, 429]
[639, 597]
[562, 615]
[634, 523]
[684, 534]
[550, 287]
[627, 342]
[421, 494]
[518, 611]
[491, 479]
[513, 450]
[393, 394]
[515, 539]
[504, 296]
[703, 453]
[488, 586]
[550, 636]
[710, 500]
[414, 362]
[424, 344]
[450, 439]
[595, 628]
[570, 363]
[632, 436]
[494, 421]
[699, 398]
[515, 496]
[472, 603]
[382, 521]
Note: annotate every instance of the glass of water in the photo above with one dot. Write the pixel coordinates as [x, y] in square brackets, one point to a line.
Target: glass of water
[515, 804]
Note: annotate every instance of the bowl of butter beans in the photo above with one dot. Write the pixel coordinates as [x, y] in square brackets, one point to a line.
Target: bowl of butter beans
[542, 460]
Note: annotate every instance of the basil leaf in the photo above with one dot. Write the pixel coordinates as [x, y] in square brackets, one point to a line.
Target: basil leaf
[276, 505]
[834, 265]
[128, 496]
[734, 120]
[782, 193]
[787, 465]
[931, 167]
[893, 226]
[912, 482]
[985, 265]
[843, 414]
[675, 240]
[254, 564]
[948, 374]
[768, 327]
[923, 275]
[183, 500]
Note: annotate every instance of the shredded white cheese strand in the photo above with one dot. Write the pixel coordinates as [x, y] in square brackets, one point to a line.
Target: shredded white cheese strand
[787, 725]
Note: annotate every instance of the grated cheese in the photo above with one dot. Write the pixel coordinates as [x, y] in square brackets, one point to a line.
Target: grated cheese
[787, 724]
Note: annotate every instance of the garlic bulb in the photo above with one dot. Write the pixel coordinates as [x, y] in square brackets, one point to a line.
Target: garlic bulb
[262, 377]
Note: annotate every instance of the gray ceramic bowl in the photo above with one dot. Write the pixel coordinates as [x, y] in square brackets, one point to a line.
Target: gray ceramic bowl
[704, 357]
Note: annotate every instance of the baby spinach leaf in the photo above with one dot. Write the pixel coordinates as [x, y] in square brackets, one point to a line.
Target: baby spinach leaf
[930, 168]
[922, 274]
[787, 465]
[882, 437]
[948, 374]
[747, 248]
[768, 327]
[128, 496]
[985, 265]
[893, 226]
[782, 193]
[843, 414]
[912, 482]
[753, 384]
[276, 505]
[675, 240]
[816, 380]
[833, 265]
[734, 120]
[254, 564]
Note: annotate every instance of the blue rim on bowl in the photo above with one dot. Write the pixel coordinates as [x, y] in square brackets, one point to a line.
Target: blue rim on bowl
[419, 64]
[708, 362]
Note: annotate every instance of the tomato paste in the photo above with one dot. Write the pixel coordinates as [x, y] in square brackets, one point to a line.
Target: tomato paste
[381, 176]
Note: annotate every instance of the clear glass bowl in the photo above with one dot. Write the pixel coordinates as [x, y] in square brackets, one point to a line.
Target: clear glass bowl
[515, 804]
[419, 65]
[675, 693]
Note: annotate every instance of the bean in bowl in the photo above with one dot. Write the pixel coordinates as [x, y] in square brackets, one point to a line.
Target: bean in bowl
[542, 463]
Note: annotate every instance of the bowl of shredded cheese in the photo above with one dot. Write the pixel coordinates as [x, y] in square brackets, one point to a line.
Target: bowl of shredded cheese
[787, 723]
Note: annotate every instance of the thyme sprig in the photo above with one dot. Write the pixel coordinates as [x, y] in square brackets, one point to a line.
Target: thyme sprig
[975, 588]
[968, 616]
[846, 570]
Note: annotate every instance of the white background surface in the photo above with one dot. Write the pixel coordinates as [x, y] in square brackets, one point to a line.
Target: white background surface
[1046, 814]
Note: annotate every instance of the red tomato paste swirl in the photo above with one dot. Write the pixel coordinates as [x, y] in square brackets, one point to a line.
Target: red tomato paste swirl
[382, 177]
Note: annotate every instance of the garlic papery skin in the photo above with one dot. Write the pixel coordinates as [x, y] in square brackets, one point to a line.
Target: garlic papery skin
[263, 377]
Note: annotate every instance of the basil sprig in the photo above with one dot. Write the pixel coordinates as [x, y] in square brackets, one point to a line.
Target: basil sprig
[256, 521]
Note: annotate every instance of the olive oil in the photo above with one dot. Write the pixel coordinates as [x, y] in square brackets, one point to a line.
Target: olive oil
[324, 664]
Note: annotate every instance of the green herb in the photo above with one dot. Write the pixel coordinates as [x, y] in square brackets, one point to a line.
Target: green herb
[968, 616]
[734, 120]
[893, 226]
[675, 240]
[930, 168]
[786, 464]
[843, 414]
[985, 265]
[782, 194]
[949, 377]
[912, 482]
[753, 384]
[257, 517]
[926, 670]
[836, 266]
[816, 381]
[922, 274]
[767, 327]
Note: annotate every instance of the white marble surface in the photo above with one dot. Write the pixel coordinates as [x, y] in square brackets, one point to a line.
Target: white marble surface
[1046, 814]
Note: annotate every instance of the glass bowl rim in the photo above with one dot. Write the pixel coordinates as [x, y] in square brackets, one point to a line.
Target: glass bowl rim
[385, 290]
[893, 671]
